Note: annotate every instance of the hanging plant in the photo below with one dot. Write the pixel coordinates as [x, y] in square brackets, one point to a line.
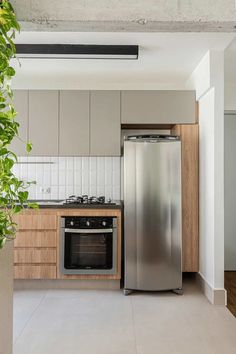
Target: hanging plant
[13, 191]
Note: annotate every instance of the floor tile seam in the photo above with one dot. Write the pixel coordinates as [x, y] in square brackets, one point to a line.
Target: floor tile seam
[30, 317]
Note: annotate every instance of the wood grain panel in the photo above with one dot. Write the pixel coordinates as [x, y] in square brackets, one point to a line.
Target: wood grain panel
[230, 286]
[37, 221]
[33, 243]
[35, 255]
[32, 238]
[35, 271]
[190, 195]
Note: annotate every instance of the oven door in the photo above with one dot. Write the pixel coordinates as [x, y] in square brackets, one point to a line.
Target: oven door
[89, 251]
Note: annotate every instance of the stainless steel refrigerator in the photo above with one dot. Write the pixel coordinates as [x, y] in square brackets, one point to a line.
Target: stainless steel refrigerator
[152, 213]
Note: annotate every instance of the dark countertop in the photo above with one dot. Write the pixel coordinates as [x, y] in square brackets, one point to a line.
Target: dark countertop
[58, 204]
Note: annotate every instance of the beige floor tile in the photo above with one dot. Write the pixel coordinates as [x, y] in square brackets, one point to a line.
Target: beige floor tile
[91, 322]
[25, 303]
[107, 322]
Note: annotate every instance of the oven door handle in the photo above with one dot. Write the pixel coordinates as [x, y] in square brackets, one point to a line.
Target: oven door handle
[89, 231]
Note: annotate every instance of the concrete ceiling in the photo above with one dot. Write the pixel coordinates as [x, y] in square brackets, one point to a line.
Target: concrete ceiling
[127, 15]
[166, 60]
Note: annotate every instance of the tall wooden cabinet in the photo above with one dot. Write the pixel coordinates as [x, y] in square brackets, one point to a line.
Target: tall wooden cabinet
[190, 195]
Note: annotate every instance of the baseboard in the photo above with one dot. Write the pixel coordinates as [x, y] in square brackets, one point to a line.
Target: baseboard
[215, 296]
[66, 284]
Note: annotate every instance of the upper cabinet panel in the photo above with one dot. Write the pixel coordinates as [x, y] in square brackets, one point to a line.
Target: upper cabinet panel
[43, 122]
[105, 123]
[74, 123]
[22, 108]
[158, 107]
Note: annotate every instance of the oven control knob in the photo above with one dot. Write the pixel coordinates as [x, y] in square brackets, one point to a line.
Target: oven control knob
[72, 223]
[104, 223]
[87, 223]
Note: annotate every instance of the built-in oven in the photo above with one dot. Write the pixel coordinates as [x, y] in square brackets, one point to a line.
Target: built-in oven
[88, 245]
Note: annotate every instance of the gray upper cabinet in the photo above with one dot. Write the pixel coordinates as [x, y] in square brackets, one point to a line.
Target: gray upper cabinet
[22, 108]
[105, 123]
[158, 107]
[74, 123]
[43, 122]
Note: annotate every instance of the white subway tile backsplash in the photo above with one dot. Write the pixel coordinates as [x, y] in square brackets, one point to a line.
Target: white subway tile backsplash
[62, 192]
[54, 192]
[85, 189]
[54, 177]
[69, 163]
[78, 163]
[69, 190]
[78, 177]
[93, 190]
[69, 177]
[64, 176]
[77, 190]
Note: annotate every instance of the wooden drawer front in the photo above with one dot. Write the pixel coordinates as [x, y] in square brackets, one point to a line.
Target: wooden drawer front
[35, 255]
[36, 239]
[35, 272]
[36, 222]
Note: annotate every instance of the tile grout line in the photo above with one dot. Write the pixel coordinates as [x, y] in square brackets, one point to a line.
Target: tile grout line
[30, 317]
[134, 329]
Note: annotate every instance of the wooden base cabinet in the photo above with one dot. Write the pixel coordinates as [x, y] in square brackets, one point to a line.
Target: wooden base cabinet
[190, 195]
[35, 246]
[37, 243]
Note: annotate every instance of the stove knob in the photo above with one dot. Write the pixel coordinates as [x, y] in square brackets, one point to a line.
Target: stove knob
[104, 223]
[87, 223]
[72, 223]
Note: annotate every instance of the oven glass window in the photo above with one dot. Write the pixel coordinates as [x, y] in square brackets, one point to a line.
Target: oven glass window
[88, 251]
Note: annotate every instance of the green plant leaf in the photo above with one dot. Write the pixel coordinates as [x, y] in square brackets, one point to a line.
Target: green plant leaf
[29, 147]
[2, 242]
[13, 191]
[33, 205]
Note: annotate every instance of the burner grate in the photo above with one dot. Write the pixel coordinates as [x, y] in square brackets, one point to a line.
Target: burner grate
[85, 199]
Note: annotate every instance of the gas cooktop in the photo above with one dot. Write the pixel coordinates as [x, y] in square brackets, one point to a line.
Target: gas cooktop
[85, 199]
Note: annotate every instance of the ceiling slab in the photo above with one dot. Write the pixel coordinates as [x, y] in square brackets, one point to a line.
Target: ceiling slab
[127, 15]
[165, 61]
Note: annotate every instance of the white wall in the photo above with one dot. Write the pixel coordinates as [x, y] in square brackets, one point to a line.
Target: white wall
[230, 96]
[230, 192]
[208, 80]
[206, 187]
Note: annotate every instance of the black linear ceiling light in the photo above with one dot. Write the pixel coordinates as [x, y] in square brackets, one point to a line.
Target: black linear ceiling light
[77, 51]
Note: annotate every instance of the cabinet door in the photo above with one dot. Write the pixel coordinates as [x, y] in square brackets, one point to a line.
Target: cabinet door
[158, 107]
[190, 195]
[43, 122]
[21, 103]
[105, 123]
[74, 123]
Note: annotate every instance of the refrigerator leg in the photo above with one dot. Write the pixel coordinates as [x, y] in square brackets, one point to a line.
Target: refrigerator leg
[127, 292]
[178, 291]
